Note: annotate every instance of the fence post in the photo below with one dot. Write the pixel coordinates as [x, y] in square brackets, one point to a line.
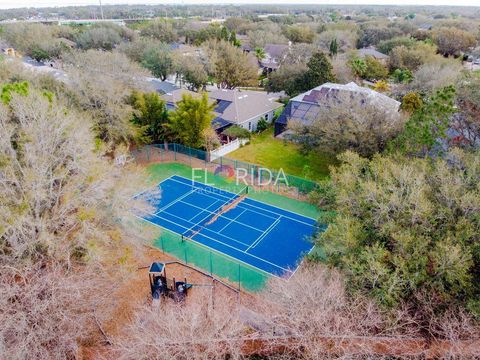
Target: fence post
[239, 277]
[175, 151]
[185, 248]
[211, 267]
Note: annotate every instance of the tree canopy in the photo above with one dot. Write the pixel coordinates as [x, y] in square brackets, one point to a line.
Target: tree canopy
[406, 226]
[190, 120]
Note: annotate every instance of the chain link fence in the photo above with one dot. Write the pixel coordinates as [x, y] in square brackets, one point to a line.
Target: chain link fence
[253, 175]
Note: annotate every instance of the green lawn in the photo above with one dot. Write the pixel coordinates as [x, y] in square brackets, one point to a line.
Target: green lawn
[273, 153]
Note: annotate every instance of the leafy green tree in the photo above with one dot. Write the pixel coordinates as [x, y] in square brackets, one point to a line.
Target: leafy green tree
[333, 49]
[158, 61]
[405, 226]
[189, 121]
[39, 54]
[230, 66]
[260, 53]
[236, 131]
[319, 71]
[224, 34]
[17, 87]
[358, 66]
[299, 34]
[368, 68]
[427, 125]
[161, 30]
[411, 102]
[402, 76]
[289, 78]
[262, 125]
[150, 115]
[375, 70]
[234, 40]
[386, 46]
[104, 38]
[372, 35]
[191, 70]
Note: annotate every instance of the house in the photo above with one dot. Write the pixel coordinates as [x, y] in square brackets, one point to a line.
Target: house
[243, 107]
[425, 27]
[162, 87]
[244, 43]
[68, 43]
[274, 54]
[232, 107]
[370, 51]
[307, 106]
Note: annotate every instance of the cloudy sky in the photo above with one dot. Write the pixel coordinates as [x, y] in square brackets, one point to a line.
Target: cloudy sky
[6, 4]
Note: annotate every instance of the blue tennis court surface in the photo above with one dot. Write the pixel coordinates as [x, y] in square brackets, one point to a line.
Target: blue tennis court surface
[261, 235]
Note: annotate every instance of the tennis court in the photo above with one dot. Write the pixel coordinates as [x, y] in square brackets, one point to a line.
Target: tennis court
[263, 236]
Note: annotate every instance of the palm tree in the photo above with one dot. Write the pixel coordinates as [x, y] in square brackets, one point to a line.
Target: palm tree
[260, 53]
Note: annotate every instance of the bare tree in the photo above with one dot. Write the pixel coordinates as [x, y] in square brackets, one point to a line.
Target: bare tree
[176, 331]
[48, 311]
[103, 82]
[64, 211]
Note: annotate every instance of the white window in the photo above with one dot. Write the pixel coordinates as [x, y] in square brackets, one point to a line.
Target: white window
[249, 125]
[266, 117]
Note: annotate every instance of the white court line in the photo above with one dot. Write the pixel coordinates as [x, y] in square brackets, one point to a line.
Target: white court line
[220, 242]
[205, 228]
[206, 209]
[151, 187]
[240, 206]
[261, 237]
[221, 253]
[255, 206]
[176, 200]
[231, 220]
[221, 215]
[301, 262]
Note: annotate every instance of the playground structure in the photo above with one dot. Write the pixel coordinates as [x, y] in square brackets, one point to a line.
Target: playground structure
[161, 286]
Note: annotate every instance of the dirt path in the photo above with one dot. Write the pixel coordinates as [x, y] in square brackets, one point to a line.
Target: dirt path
[135, 291]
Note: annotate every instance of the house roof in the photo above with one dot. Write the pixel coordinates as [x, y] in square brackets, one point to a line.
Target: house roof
[306, 107]
[327, 90]
[237, 106]
[175, 96]
[275, 51]
[162, 87]
[372, 52]
[68, 42]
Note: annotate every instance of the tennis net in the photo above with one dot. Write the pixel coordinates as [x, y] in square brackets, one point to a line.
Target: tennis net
[213, 215]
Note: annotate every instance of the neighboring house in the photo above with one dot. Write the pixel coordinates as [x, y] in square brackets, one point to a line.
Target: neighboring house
[425, 27]
[50, 68]
[244, 43]
[162, 87]
[243, 107]
[274, 54]
[306, 107]
[370, 51]
[68, 43]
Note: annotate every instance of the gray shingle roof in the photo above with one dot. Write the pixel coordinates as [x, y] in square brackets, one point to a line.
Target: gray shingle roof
[242, 105]
[372, 52]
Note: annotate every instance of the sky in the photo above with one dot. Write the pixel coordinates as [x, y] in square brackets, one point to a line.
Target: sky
[6, 4]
